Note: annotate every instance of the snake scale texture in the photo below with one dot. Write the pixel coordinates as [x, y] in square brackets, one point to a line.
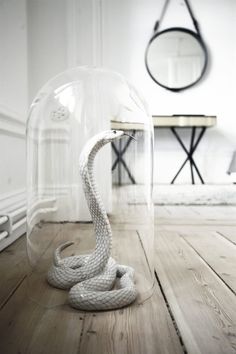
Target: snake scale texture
[96, 281]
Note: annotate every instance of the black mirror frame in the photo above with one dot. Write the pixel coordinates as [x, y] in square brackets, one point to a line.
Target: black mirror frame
[197, 36]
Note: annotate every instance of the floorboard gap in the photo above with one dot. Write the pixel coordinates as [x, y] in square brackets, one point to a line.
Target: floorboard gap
[225, 237]
[218, 275]
[12, 292]
[171, 314]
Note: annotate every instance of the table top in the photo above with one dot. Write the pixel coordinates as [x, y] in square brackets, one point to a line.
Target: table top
[183, 121]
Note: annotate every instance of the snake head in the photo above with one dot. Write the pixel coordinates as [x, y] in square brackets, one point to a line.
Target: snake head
[112, 135]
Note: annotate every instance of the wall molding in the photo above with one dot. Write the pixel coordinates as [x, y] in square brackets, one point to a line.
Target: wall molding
[11, 123]
[12, 198]
[13, 205]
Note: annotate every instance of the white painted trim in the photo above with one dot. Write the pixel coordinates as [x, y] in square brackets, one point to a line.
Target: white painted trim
[19, 231]
[13, 204]
[11, 123]
[3, 220]
[8, 112]
[16, 198]
[3, 235]
[11, 195]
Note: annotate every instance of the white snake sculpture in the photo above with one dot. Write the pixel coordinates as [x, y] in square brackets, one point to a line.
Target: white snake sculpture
[91, 278]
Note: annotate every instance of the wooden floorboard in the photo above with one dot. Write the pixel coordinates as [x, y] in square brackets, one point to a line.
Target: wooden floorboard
[13, 268]
[27, 327]
[145, 328]
[203, 306]
[195, 215]
[217, 252]
[228, 232]
[193, 307]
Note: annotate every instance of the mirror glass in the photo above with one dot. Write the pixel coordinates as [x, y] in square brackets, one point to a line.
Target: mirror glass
[176, 58]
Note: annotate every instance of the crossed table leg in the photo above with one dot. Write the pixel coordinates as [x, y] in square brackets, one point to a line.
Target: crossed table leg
[194, 142]
[119, 151]
[193, 146]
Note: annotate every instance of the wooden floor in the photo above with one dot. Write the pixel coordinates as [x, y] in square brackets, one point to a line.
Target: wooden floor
[192, 310]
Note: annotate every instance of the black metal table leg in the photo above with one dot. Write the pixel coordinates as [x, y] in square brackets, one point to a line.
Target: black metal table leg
[180, 169]
[189, 153]
[119, 163]
[119, 152]
[190, 149]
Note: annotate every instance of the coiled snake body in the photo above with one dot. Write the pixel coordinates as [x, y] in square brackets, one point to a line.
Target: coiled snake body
[92, 277]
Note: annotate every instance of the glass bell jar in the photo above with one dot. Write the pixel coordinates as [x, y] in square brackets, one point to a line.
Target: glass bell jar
[89, 189]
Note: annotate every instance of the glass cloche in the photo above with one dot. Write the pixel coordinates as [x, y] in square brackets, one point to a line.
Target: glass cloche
[89, 191]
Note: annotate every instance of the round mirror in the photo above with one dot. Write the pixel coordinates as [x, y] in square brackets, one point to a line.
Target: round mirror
[176, 58]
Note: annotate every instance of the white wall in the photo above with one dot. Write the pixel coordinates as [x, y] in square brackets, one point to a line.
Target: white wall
[47, 41]
[13, 96]
[61, 34]
[65, 33]
[126, 28]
